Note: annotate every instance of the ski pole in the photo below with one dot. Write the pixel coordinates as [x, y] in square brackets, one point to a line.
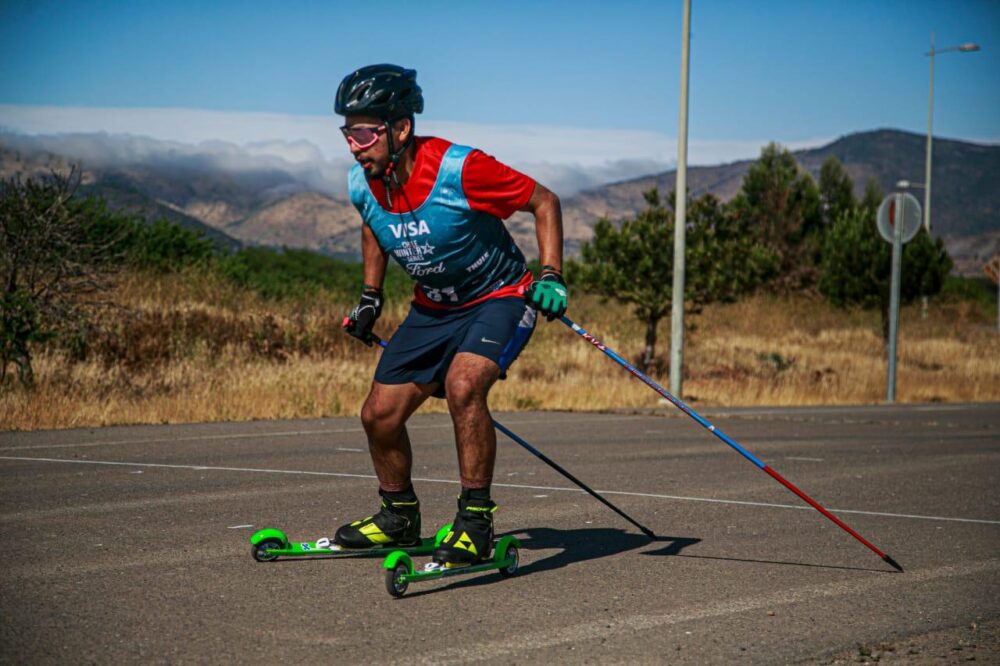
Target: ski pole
[545, 459]
[676, 402]
[551, 463]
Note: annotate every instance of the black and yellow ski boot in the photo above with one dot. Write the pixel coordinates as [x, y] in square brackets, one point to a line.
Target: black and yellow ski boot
[471, 537]
[396, 524]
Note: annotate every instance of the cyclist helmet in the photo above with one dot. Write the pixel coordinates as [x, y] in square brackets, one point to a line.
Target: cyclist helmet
[385, 91]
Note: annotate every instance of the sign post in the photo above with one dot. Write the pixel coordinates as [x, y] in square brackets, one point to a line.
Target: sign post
[898, 221]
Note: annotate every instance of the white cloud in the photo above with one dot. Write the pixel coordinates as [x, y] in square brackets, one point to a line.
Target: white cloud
[565, 158]
[292, 166]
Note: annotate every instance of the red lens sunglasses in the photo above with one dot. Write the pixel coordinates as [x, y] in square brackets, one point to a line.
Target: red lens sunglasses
[362, 136]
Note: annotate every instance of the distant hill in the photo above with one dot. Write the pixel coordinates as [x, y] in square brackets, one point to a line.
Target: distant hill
[304, 220]
[122, 191]
[275, 206]
[965, 187]
[125, 197]
[966, 178]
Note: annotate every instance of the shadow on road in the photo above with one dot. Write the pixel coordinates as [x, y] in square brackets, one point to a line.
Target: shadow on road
[589, 544]
[576, 546]
[782, 562]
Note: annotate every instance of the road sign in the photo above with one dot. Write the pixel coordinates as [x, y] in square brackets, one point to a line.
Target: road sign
[910, 216]
[898, 222]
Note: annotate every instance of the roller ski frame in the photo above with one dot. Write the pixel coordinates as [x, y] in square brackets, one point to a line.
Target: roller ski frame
[400, 572]
[270, 543]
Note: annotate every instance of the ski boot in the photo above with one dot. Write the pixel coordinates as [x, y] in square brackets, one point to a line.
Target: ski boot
[396, 524]
[471, 537]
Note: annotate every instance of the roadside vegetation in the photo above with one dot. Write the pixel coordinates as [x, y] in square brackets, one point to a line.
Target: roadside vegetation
[109, 320]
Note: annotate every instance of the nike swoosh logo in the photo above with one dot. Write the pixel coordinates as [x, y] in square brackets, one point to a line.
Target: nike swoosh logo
[492, 342]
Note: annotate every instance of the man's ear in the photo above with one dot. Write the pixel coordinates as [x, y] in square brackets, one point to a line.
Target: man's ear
[404, 127]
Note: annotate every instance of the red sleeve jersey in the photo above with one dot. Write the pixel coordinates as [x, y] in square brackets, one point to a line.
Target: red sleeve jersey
[489, 185]
[493, 187]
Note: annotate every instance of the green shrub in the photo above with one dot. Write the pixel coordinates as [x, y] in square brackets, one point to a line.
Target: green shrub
[299, 274]
[979, 290]
[166, 247]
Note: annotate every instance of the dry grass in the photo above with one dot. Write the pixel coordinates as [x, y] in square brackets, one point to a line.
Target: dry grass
[767, 351]
[194, 351]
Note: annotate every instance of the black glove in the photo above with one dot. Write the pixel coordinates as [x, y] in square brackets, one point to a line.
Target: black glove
[362, 318]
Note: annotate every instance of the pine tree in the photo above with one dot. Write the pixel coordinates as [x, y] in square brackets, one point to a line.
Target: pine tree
[633, 263]
[779, 205]
[857, 262]
[836, 191]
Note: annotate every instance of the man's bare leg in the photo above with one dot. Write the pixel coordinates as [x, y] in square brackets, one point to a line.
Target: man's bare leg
[384, 416]
[467, 386]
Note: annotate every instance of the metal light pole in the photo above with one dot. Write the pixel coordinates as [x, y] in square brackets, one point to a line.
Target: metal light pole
[680, 219]
[897, 260]
[965, 48]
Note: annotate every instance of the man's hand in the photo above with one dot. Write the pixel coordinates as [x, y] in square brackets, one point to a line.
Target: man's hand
[362, 319]
[548, 295]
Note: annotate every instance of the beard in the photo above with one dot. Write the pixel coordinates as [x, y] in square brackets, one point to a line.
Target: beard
[371, 170]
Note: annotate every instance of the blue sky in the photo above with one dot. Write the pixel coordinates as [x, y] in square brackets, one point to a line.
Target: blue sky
[796, 72]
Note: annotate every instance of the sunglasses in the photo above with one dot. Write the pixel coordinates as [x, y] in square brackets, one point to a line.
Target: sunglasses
[362, 136]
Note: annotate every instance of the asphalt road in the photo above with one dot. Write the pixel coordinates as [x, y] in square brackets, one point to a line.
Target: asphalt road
[131, 544]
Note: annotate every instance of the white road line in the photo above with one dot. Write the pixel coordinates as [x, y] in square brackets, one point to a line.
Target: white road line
[344, 448]
[238, 527]
[624, 493]
[257, 435]
[801, 458]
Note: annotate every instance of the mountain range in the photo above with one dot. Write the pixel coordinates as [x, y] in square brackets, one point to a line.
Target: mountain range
[250, 200]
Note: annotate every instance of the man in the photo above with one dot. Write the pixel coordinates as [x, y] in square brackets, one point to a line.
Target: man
[437, 207]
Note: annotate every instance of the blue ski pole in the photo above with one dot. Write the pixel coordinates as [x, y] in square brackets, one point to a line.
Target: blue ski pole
[723, 436]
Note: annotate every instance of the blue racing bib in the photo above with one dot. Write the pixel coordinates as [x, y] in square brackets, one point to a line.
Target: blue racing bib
[454, 253]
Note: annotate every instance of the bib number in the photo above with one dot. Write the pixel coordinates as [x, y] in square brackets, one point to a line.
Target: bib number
[439, 295]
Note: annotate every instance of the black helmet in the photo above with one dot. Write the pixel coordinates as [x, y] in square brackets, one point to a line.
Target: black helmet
[384, 91]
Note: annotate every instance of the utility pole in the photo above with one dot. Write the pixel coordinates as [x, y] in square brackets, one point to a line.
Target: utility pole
[967, 47]
[680, 219]
[930, 141]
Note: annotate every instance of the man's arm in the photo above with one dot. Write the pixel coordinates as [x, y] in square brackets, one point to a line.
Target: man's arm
[544, 205]
[374, 257]
[361, 320]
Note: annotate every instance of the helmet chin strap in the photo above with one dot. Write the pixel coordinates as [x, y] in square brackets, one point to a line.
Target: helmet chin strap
[394, 155]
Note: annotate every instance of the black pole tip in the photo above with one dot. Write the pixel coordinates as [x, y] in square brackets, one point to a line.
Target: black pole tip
[892, 562]
[648, 533]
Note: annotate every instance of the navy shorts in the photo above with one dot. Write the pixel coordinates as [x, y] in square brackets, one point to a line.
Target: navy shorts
[422, 348]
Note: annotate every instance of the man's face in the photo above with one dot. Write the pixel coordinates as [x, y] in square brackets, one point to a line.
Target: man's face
[373, 153]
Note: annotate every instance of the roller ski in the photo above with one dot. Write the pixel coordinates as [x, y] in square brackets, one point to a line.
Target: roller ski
[464, 549]
[395, 527]
[270, 543]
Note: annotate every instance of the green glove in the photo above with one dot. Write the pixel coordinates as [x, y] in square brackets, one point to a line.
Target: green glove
[548, 295]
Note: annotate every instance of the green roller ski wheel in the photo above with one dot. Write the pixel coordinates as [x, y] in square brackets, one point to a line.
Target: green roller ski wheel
[508, 556]
[399, 570]
[265, 544]
[398, 567]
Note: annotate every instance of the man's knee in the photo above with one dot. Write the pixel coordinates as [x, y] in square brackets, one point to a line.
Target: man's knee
[463, 392]
[468, 386]
[379, 416]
